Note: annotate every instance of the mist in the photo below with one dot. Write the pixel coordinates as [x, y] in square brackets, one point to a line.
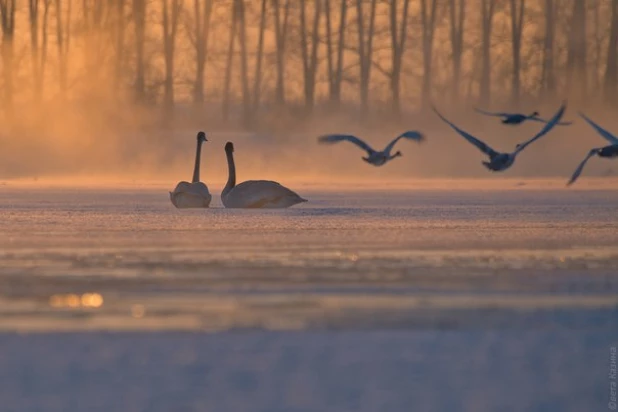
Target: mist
[119, 89]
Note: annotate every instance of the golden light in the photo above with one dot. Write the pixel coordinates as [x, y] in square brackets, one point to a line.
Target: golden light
[138, 311]
[71, 300]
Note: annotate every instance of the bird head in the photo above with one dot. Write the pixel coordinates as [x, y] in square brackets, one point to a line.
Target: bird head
[229, 147]
[201, 137]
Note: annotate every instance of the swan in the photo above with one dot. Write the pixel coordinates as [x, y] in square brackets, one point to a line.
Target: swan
[373, 157]
[605, 151]
[256, 194]
[518, 118]
[194, 194]
[502, 161]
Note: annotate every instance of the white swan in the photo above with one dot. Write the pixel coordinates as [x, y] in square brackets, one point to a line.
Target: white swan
[255, 194]
[517, 118]
[502, 161]
[374, 157]
[195, 194]
[606, 151]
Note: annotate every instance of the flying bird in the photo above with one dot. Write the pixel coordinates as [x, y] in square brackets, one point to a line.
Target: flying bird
[254, 194]
[605, 151]
[374, 157]
[501, 161]
[518, 118]
[195, 194]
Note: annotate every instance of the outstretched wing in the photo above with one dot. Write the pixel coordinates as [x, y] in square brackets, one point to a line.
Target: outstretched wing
[579, 169]
[538, 119]
[410, 134]
[334, 138]
[612, 139]
[499, 114]
[548, 126]
[482, 146]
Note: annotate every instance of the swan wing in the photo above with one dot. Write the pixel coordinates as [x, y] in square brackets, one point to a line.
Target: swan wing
[261, 194]
[538, 119]
[479, 144]
[334, 138]
[579, 169]
[486, 113]
[410, 134]
[548, 126]
[607, 135]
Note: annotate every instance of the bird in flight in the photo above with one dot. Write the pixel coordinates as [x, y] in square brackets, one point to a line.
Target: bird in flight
[501, 161]
[605, 151]
[518, 118]
[374, 157]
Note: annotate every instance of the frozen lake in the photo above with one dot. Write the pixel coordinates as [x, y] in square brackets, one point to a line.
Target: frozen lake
[451, 299]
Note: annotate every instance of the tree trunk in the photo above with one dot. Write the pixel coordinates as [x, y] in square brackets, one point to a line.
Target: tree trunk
[457, 20]
[171, 12]
[487, 15]
[203, 13]
[7, 17]
[576, 57]
[365, 51]
[228, 66]
[63, 31]
[335, 66]
[429, 25]
[549, 81]
[244, 66]
[611, 68]
[139, 18]
[398, 38]
[517, 19]
[310, 58]
[257, 78]
[120, 34]
[280, 38]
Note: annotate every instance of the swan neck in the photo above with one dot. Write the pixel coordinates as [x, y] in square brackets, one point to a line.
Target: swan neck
[231, 180]
[196, 169]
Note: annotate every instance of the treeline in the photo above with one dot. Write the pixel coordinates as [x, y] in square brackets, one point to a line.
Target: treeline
[241, 59]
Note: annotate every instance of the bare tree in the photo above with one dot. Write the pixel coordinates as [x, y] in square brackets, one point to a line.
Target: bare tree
[171, 12]
[310, 58]
[548, 75]
[7, 17]
[63, 32]
[487, 16]
[335, 66]
[611, 67]
[119, 27]
[38, 51]
[517, 19]
[239, 6]
[457, 23]
[576, 56]
[281, 31]
[139, 21]
[365, 50]
[257, 77]
[199, 36]
[428, 18]
[228, 67]
[398, 38]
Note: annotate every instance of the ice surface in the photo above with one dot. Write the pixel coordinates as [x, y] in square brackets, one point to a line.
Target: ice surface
[398, 300]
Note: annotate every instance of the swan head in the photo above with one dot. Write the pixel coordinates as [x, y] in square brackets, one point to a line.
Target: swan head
[229, 147]
[201, 137]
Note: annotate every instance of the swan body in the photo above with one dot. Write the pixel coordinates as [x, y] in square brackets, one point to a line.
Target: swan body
[502, 161]
[517, 118]
[374, 157]
[609, 151]
[195, 194]
[255, 194]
